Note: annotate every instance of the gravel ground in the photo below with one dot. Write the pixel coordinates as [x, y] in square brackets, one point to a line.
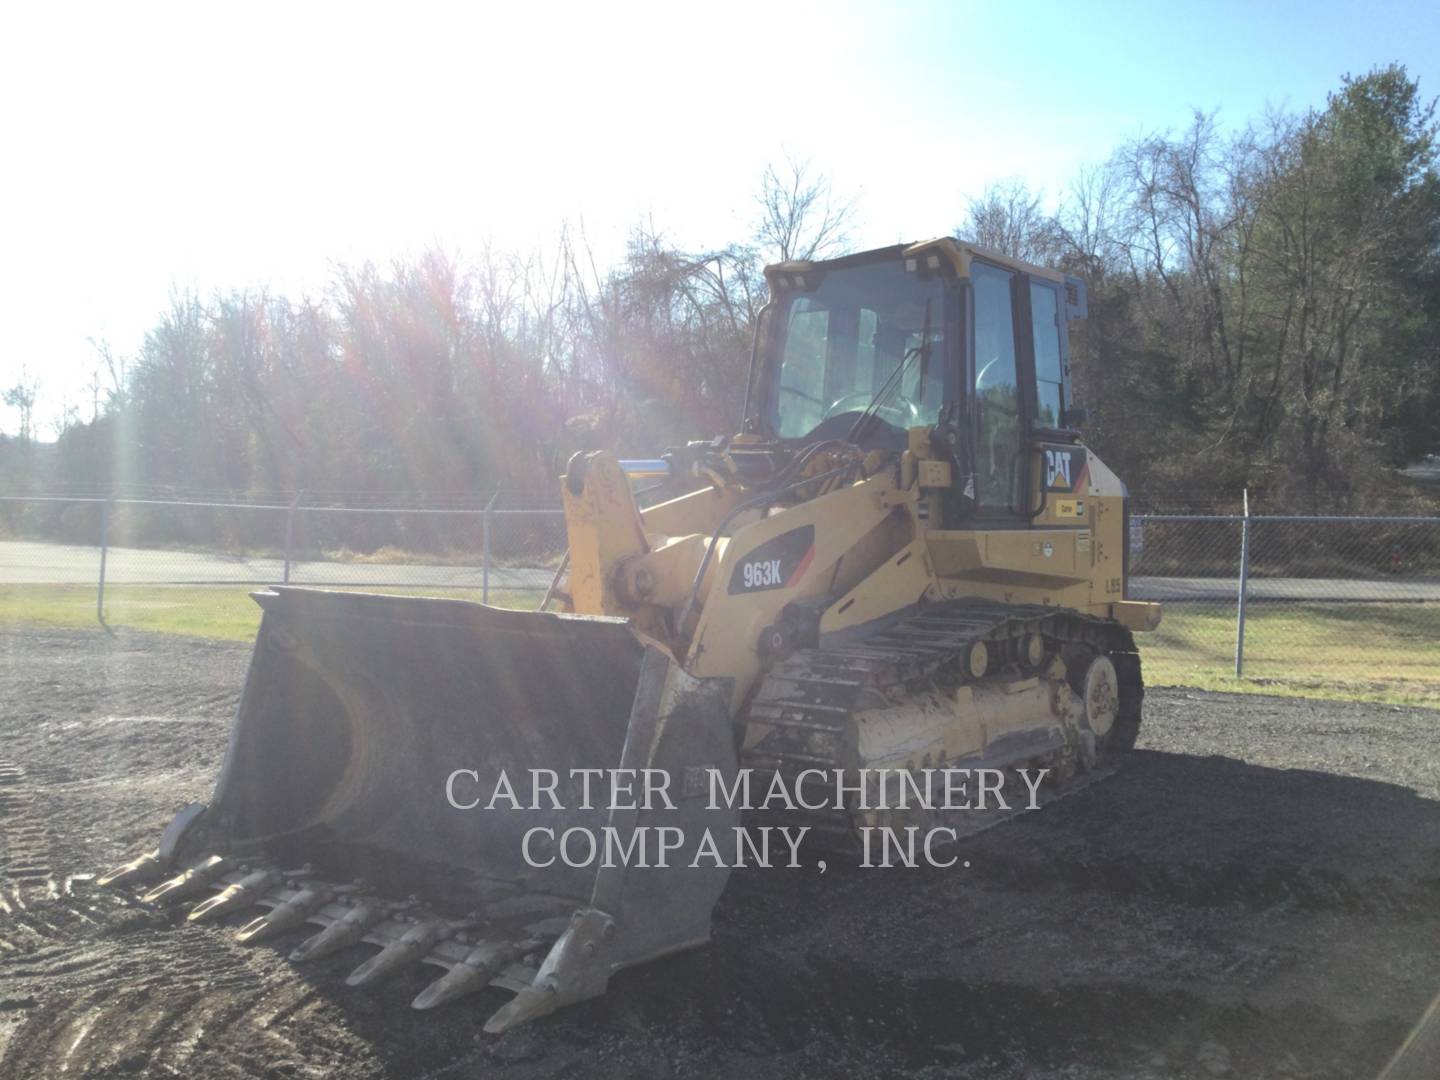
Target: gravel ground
[1253, 895]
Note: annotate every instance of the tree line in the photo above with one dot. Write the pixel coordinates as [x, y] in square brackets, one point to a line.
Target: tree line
[1264, 314]
[1265, 305]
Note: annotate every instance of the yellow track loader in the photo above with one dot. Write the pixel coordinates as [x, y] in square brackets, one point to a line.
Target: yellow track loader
[905, 562]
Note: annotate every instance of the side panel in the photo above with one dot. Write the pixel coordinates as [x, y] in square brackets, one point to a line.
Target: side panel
[727, 638]
[1072, 557]
[902, 581]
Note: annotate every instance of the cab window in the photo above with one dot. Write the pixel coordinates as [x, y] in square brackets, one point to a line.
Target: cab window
[803, 390]
[997, 387]
[1049, 377]
[843, 341]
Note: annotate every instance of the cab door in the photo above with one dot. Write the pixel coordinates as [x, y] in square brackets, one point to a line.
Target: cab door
[1023, 450]
[1058, 488]
[1000, 418]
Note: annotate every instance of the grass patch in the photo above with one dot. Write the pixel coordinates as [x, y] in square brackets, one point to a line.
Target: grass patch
[225, 612]
[390, 555]
[1383, 652]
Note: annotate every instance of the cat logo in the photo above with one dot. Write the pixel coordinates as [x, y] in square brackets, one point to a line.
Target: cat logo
[1057, 470]
[1066, 470]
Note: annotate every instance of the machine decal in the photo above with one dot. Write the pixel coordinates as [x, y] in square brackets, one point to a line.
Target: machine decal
[1065, 469]
[1057, 470]
[777, 563]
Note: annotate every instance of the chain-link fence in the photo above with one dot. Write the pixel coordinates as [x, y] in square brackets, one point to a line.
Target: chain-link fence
[149, 561]
[1348, 606]
[1340, 605]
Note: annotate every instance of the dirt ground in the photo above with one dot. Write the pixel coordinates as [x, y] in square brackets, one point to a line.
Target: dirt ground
[1254, 895]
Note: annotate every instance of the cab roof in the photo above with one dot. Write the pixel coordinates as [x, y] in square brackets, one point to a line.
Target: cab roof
[939, 251]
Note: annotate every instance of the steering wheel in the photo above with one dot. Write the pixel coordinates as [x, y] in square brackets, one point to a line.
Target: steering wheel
[905, 412]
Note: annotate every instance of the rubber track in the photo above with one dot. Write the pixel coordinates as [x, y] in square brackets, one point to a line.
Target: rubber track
[808, 701]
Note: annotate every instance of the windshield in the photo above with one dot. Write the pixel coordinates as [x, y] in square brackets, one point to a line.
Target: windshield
[840, 342]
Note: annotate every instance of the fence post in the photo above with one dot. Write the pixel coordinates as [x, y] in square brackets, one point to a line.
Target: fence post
[104, 551]
[1244, 587]
[485, 550]
[290, 530]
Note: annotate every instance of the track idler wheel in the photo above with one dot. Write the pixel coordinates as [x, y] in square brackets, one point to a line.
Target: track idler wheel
[1098, 688]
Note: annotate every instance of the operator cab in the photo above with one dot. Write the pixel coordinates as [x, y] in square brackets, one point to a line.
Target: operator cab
[941, 334]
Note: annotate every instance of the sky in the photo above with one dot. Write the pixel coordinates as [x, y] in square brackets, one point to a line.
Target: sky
[148, 149]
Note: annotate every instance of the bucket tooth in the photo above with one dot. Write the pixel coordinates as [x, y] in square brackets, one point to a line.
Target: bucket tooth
[241, 894]
[139, 871]
[291, 913]
[345, 931]
[529, 1003]
[408, 949]
[480, 965]
[577, 967]
[191, 883]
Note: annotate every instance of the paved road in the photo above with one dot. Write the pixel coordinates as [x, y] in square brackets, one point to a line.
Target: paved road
[1426, 471]
[24, 563]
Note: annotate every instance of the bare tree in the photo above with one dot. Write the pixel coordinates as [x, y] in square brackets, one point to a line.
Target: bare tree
[21, 398]
[800, 217]
[1085, 226]
[114, 366]
[1008, 218]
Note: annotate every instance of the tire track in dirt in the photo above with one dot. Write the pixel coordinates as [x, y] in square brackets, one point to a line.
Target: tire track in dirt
[25, 873]
[149, 996]
[144, 992]
[1247, 911]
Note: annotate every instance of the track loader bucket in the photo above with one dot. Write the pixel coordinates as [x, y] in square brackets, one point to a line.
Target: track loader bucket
[386, 748]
